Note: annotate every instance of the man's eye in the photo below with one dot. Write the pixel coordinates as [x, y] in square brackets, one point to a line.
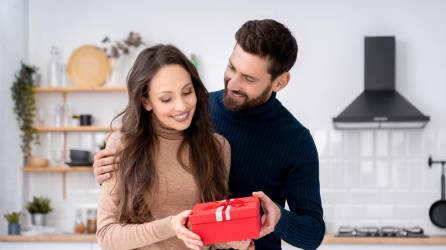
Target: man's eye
[249, 79]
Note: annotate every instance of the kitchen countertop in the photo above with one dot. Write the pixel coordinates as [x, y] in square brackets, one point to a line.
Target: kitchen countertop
[328, 240]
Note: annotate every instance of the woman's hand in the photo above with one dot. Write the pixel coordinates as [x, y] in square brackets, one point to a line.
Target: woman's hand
[190, 239]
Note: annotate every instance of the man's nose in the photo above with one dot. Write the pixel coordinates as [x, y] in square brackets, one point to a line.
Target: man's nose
[234, 83]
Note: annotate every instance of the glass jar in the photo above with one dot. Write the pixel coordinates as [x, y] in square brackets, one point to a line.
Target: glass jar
[79, 226]
[91, 221]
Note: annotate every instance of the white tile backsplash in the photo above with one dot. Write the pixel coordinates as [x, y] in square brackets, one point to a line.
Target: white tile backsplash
[381, 177]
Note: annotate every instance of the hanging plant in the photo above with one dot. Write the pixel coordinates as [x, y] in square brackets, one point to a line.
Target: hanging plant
[24, 107]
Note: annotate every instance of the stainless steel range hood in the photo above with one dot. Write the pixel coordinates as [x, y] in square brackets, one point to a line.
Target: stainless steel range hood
[380, 105]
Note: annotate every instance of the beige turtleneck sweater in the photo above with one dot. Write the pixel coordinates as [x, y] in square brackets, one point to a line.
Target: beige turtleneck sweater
[177, 192]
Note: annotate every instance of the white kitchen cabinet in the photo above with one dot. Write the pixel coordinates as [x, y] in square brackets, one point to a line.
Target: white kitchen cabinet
[45, 246]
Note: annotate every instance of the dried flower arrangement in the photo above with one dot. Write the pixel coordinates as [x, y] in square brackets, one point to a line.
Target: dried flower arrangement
[116, 48]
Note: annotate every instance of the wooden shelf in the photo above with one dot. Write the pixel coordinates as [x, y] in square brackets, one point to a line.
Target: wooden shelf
[58, 169]
[74, 129]
[74, 89]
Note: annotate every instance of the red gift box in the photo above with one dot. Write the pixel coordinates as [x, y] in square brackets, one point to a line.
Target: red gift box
[229, 220]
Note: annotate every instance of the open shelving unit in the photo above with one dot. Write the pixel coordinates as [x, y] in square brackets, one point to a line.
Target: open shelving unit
[64, 170]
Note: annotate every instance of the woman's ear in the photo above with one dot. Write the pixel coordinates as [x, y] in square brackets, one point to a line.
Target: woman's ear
[146, 104]
[281, 81]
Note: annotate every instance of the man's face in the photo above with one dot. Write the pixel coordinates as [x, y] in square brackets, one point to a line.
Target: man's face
[247, 81]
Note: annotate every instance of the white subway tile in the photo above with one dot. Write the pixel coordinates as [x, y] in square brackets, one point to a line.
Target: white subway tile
[382, 143]
[367, 174]
[379, 211]
[411, 212]
[348, 211]
[334, 197]
[382, 173]
[336, 144]
[361, 196]
[399, 174]
[366, 143]
[402, 197]
[352, 141]
[337, 174]
[352, 174]
[415, 143]
[397, 143]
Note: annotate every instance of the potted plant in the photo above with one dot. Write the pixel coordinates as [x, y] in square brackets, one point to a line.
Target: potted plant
[13, 222]
[39, 207]
[24, 107]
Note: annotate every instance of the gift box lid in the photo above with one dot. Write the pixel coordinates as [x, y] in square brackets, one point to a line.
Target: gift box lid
[240, 208]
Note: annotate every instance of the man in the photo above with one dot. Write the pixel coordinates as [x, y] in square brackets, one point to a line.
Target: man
[271, 150]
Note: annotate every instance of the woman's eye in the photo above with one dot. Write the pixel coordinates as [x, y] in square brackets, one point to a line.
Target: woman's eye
[164, 100]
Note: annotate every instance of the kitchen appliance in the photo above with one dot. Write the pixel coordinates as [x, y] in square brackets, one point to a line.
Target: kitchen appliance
[437, 212]
[380, 105]
[387, 231]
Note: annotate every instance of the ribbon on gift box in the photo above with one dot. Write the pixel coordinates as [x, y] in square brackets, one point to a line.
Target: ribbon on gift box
[223, 208]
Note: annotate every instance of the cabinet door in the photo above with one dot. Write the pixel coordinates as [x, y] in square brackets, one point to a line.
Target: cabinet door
[45, 246]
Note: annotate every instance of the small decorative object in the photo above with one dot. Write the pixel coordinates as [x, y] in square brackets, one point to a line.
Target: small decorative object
[39, 207]
[25, 107]
[121, 65]
[88, 66]
[13, 222]
[37, 161]
[230, 220]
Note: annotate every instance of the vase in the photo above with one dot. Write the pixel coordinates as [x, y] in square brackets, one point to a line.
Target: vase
[13, 229]
[38, 219]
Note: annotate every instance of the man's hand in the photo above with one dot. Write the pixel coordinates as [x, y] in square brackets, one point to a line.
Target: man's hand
[271, 214]
[104, 165]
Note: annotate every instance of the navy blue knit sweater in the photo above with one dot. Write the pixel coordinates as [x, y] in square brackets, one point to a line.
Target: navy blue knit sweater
[272, 152]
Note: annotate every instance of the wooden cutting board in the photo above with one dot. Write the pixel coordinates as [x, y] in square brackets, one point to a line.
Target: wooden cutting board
[88, 66]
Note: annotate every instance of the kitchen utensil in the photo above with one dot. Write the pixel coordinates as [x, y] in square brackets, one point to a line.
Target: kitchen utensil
[85, 120]
[88, 66]
[437, 212]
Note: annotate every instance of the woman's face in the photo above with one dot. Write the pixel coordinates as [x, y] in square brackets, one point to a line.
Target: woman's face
[172, 97]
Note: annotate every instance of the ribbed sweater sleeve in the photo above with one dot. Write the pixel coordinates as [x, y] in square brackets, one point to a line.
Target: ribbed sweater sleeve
[303, 226]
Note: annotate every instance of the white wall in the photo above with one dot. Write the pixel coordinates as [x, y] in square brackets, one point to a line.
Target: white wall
[328, 74]
[13, 48]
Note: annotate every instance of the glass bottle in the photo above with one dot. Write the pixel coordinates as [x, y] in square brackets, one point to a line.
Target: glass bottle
[54, 76]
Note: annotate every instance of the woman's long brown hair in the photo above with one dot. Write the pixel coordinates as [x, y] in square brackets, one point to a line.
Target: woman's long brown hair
[136, 174]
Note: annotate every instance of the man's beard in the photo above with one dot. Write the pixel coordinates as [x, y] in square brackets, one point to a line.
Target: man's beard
[247, 103]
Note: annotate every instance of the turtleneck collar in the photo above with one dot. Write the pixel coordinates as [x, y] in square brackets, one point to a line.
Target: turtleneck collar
[263, 111]
[165, 132]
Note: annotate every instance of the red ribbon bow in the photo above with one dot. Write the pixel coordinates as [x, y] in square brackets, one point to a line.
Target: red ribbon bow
[225, 204]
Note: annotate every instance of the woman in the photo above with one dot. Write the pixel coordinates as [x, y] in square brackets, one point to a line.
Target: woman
[169, 158]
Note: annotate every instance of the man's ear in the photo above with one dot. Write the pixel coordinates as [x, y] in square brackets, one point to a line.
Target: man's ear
[281, 81]
[146, 103]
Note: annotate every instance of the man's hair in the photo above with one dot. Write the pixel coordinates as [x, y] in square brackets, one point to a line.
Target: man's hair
[271, 40]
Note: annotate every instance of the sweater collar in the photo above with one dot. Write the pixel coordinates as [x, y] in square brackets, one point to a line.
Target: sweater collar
[265, 110]
[162, 131]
